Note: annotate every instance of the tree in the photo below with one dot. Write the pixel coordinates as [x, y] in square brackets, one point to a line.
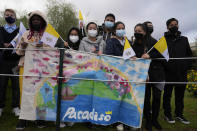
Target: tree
[62, 16]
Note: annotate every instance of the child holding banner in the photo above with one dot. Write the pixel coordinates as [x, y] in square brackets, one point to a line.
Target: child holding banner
[31, 40]
[92, 43]
[143, 42]
[115, 46]
[73, 39]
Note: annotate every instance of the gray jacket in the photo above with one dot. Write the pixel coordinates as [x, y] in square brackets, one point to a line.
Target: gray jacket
[87, 45]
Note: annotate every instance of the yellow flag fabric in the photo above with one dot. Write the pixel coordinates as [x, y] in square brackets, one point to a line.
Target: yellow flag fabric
[80, 15]
[128, 51]
[50, 36]
[162, 47]
[52, 31]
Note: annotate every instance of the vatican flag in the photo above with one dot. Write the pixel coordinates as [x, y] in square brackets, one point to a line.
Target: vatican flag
[80, 16]
[128, 51]
[162, 47]
[50, 36]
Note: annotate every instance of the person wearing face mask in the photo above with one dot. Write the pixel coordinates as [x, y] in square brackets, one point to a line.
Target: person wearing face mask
[73, 39]
[108, 27]
[9, 61]
[176, 71]
[156, 67]
[115, 46]
[31, 39]
[92, 43]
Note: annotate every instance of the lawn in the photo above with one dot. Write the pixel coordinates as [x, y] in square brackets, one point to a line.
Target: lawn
[8, 121]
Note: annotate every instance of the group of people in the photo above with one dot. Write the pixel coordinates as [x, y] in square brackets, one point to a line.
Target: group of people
[109, 40]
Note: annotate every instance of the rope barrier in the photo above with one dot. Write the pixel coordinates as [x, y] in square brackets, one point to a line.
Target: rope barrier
[67, 50]
[74, 78]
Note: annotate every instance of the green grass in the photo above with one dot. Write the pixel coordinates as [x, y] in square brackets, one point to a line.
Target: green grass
[8, 121]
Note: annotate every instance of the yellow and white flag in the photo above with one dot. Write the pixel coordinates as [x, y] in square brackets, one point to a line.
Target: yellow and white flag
[50, 36]
[17, 39]
[128, 50]
[80, 15]
[81, 22]
[162, 47]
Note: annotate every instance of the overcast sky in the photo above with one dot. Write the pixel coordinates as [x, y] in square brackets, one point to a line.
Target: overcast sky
[128, 11]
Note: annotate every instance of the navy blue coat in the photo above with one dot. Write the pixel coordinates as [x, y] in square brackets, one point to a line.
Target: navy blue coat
[114, 47]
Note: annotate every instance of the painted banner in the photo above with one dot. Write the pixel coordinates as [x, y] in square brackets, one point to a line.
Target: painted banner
[96, 89]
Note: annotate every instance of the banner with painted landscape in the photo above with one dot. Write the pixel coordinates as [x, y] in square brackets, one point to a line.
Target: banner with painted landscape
[97, 89]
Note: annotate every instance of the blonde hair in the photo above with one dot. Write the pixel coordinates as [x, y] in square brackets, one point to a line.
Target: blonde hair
[10, 10]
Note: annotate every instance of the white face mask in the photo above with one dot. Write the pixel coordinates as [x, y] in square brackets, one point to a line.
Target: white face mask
[92, 33]
[73, 38]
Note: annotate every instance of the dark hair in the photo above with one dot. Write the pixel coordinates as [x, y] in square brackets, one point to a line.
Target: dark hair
[146, 22]
[170, 20]
[117, 23]
[110, 15]
[90, 24]
[76, 45]
[141, 25]
[77, 30]
[146, 25]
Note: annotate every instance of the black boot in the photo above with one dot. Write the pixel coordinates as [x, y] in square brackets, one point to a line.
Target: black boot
[148, 124]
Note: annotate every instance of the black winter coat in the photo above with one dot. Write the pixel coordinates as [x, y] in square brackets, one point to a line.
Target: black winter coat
[156, 69]
[178, 47]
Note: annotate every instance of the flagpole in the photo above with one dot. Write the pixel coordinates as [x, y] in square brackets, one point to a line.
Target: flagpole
[64, 41]
[150, 50]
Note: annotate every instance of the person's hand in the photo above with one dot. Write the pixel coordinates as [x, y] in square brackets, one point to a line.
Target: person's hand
[66, 44]
[6, 45]
[81, 24]
[93, 49]
[99, 52]
[133, 58]
[39, 45]
[146, 56]
[112, 36]
[24, 44]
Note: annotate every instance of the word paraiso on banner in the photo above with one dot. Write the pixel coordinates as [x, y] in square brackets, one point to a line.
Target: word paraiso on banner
[71, 113]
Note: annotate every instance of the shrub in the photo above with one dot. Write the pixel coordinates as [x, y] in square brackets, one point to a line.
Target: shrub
[192, 77]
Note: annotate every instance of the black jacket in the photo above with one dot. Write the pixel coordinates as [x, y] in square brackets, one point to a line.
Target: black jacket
[156, 69]
[6, 37]
[178, 47]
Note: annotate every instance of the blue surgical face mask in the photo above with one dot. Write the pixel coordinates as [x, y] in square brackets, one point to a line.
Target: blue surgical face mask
[109, 24]
[120, 33]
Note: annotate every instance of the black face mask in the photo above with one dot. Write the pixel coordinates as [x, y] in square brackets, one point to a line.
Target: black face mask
[138, 36]
[36, 27]
[173, 29]
[10, 20]
[150, 30]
